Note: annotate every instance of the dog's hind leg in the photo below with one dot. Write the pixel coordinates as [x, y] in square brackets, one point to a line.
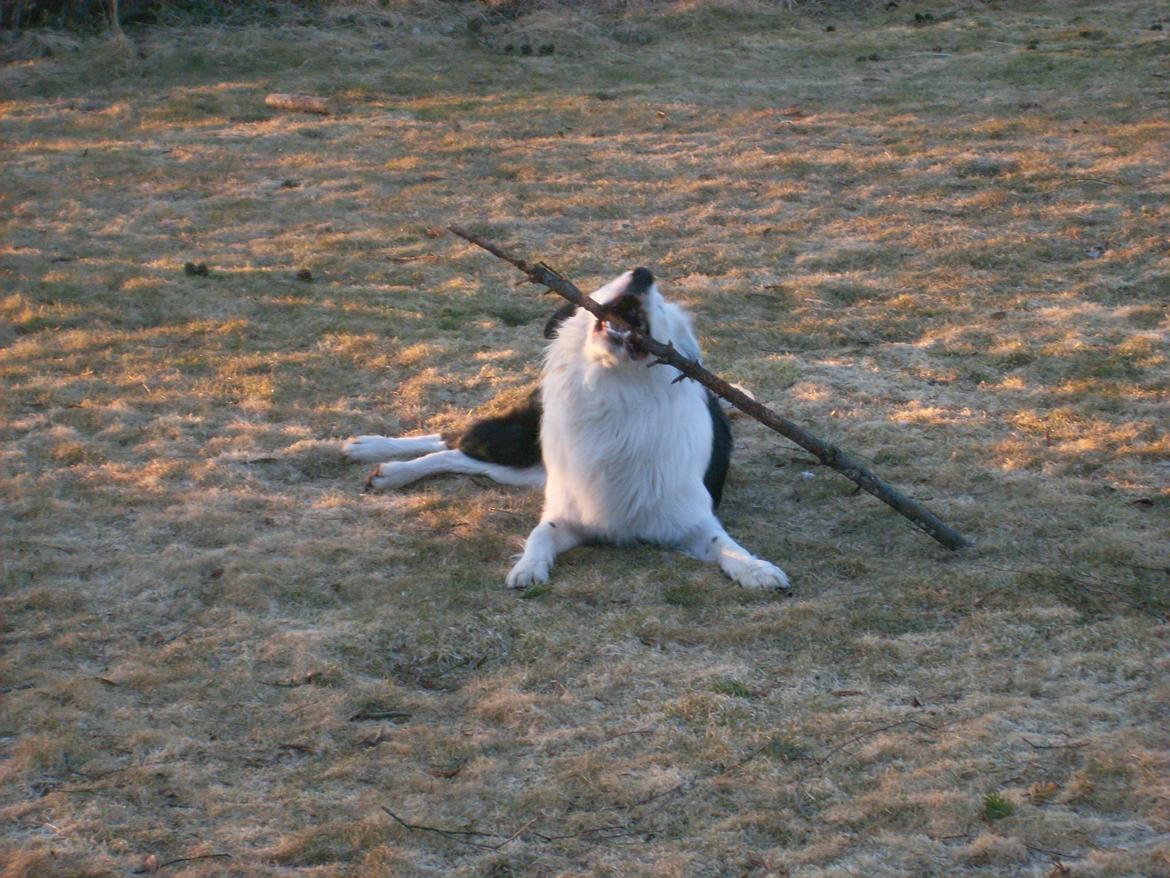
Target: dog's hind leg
[374, 449]
[547, 540]
[710, 542]
[395, 474]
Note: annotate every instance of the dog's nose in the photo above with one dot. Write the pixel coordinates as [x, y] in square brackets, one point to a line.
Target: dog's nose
[640, 281]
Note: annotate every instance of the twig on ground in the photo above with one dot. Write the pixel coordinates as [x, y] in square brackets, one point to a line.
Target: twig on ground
[463, 836]
[1075, 745]
[617, 735]
[613, 832]
[397, 716]
[819, 761]
[515, 835]
[608, 832]
[176, 862]
[175, 637]
[1056, 855]
[869, 734]
[830, 455]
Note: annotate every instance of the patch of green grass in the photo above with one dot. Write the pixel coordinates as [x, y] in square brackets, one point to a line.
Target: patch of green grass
[786, 750]
[996, 807]
[734, 688]
[687, 595]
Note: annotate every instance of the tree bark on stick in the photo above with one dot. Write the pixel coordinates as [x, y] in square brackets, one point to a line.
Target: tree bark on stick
[827, 453]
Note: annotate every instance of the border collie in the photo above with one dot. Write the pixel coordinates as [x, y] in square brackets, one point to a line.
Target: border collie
[626, 453]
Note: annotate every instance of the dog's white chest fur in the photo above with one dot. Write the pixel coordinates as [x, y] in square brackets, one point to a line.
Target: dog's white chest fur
[625, 450]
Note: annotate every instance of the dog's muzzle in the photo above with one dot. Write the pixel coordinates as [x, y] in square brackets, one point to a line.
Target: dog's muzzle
[627, 308]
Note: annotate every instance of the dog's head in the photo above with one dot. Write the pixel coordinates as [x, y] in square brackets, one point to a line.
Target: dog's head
[632, 300]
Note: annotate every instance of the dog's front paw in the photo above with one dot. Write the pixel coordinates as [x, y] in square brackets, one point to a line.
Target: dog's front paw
[527, 572]
[759, 573]
[364, 449]
[386, 476]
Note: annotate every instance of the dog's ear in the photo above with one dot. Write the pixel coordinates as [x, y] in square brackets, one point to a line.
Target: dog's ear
[682, 335]
[559, 316]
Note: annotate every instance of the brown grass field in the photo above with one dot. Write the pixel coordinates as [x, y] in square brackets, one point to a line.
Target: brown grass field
[941, 243]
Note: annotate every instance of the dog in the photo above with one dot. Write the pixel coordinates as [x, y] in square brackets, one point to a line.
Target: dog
[626, 453]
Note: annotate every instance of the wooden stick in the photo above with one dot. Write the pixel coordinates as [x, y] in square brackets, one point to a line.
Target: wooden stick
[827, 453]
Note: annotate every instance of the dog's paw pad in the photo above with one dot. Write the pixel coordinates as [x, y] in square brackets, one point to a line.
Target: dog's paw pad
[763, 574]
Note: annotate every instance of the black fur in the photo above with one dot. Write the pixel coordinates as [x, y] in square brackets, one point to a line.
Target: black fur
[511, 439]
[640, 281]
[559, 316]
[721, 444]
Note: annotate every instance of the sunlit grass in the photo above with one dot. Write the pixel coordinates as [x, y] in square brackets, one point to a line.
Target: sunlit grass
[951, 259]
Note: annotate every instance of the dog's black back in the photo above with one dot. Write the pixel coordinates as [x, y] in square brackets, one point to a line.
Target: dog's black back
[510, 439]
[721, 445]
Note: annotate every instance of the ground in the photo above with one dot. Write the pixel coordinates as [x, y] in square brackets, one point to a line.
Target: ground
[935, 234]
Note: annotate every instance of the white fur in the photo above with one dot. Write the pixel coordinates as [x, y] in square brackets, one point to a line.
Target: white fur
[625, 448]
[372, 449]
[395, 474]
[436, 459]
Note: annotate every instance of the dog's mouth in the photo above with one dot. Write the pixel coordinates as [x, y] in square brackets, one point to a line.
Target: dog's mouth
[629, 309]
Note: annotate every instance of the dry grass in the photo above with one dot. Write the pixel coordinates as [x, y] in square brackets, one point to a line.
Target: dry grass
[952, 259]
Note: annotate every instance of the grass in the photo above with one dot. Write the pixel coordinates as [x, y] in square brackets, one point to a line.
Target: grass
[951, 260]
[996, 807]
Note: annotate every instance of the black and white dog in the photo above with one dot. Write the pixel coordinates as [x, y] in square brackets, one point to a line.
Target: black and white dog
[624, 452]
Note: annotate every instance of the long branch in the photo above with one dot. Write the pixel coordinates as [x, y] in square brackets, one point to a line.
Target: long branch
[827, 453]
